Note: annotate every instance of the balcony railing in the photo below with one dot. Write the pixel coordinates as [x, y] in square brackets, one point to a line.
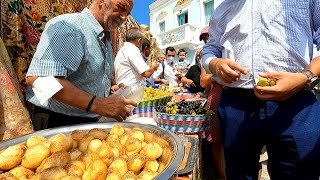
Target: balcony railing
[183, 34]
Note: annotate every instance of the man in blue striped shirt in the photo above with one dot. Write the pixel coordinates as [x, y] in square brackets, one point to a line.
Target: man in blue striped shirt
[75, 49]
[273, 39]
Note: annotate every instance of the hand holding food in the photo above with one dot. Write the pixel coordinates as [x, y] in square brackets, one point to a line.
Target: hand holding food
[266, 81]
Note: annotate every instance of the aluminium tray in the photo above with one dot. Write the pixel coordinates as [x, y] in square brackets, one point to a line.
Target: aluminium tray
[174, 141]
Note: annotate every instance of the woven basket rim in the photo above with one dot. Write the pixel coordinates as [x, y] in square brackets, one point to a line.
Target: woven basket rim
[156, 99]
[185, 115]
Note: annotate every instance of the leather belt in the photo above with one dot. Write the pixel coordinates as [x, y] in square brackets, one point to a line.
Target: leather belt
[239, 91]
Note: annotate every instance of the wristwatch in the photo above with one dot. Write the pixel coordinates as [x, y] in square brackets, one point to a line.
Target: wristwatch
[313, 80]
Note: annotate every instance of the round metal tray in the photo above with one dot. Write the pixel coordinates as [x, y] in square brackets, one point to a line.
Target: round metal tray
[174, 141]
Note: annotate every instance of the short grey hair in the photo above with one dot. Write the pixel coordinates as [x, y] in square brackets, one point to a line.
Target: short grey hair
[133, 34]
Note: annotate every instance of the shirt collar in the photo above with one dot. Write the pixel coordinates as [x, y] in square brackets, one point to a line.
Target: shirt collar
[97, 28]
[131, 45]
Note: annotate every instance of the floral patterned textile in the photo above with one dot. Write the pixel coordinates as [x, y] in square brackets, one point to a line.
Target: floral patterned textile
[21, 25]
[22, 22]
[14, 117]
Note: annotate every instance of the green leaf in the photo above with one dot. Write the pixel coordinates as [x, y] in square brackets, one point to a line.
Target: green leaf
[44, 18]
[30, 22]
[37, 26]
[27, 16]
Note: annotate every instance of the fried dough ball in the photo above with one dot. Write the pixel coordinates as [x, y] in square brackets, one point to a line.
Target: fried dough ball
[60, 159]
[7, 176]
[98, 133]
[149, 137]
[138, 135]
[35, 155]
[117, 130]
[95, 171]
[162, 166]
[161, 141]
[107, 161]
[88, 158]
[136, 162]
[76, 168]
[75, 154]
[115, 175]
[77, 135]
[166, 155]
[21, 172]
[129, 176]
[132, 146]
[112, 138]
[34, 140]
[52, 173]
[123, 139]
[70, 177]
[152, 150]
[105, 151]
[119, 165]
[12, 156]
[84, 142]
[147, 175]
[152, 166]
[94, 145]
[60, 142]
[116, 144]
[127, 130]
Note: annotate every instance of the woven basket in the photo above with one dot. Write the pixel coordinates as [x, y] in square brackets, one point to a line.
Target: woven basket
[183, 123]
[145, 108]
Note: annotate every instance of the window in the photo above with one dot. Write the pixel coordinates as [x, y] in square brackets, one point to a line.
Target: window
[162, 26]
[208, 10]
[183, 18]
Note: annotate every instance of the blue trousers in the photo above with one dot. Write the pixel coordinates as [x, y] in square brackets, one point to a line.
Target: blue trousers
[290, 130]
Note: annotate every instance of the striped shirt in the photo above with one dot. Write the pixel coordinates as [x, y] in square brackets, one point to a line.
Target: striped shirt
[263, 36]
[71, 46]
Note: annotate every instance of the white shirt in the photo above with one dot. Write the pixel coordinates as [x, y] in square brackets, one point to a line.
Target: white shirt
[169, 73]
[263, 36]
[129, 65]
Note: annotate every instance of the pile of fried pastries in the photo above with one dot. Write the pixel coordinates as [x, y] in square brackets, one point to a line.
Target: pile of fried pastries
[121, 153]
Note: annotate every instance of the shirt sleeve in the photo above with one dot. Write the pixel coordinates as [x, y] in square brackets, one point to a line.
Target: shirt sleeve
[213, 48]
[158, 72]
[316, 22]
[59, 52]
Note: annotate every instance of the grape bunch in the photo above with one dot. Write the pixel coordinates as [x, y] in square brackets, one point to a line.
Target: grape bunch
[184, 108]
[266, 81]
[151, 93]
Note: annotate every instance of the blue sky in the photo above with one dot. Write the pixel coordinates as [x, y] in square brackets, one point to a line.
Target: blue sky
[140, 11]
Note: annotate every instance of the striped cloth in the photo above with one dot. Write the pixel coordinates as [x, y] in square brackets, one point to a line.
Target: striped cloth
[263, 35]
[71, 46]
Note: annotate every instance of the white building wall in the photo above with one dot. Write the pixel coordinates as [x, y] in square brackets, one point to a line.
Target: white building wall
[188, 34]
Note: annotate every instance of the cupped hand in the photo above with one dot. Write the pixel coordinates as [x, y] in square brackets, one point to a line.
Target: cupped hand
[114, 88]
[287, 84]
[114, 106]
[226, 69]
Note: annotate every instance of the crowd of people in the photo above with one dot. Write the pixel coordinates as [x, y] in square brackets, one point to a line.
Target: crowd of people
[73, 75]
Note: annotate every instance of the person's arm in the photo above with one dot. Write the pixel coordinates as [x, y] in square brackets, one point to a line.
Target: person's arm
[112, 106]
[151, 70]
[157, 74]
[205, 79]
